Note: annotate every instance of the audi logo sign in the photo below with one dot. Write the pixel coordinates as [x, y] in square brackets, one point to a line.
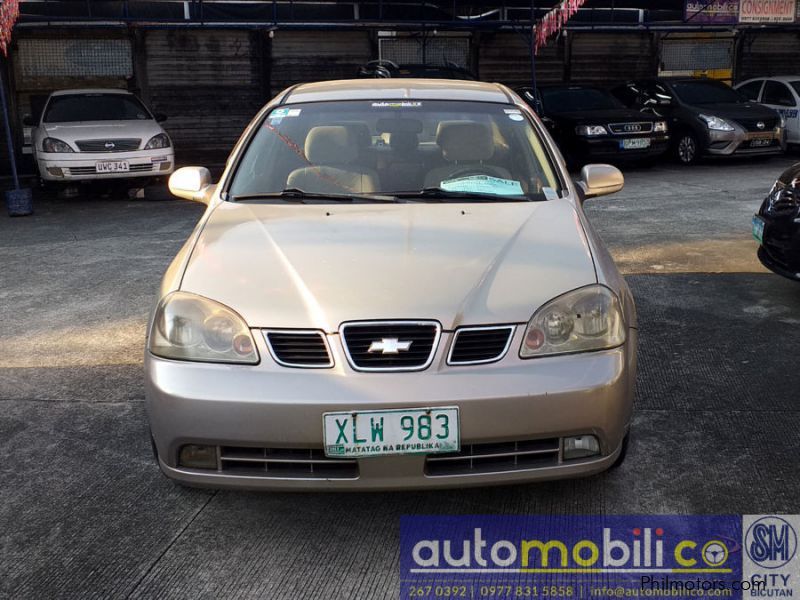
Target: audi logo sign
[632, 128]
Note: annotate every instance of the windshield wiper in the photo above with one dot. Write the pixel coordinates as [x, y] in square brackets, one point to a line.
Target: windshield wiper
[301, 197]
[438, 194]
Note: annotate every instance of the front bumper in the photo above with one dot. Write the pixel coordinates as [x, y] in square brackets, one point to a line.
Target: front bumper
[82, 166]
[269, 406]
[609, 148]
[780, 250]
[739, 142]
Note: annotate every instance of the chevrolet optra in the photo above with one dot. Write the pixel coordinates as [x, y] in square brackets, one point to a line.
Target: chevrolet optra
[393, 286]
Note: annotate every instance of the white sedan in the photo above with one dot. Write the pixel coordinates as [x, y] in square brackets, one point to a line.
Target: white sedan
[780, 93]
[96, 134]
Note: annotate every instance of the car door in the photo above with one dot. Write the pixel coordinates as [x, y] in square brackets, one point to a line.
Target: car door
[779, 96]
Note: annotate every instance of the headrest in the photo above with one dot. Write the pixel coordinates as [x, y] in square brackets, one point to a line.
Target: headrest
[403, 141]
[330, 145]
[359, 132]
[465, 141]
[398, 125]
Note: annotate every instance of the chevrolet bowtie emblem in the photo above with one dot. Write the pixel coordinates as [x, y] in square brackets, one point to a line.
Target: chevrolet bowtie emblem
[389, 346]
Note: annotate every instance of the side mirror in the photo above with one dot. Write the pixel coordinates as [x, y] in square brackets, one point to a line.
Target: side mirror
[549, 123]
[27, 121]
[191, 183]
[600, 180]
[160, 117]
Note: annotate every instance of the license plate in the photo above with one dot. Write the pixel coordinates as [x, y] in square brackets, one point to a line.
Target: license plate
[391, 432]
[115, 166]
[760, 143]
[635, 144]
[758, 229]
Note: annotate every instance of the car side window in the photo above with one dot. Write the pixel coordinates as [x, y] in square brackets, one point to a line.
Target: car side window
[778, 94]
[751, 90]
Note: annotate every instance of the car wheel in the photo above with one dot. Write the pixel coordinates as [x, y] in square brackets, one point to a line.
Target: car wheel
[622, 453]
[687, 149]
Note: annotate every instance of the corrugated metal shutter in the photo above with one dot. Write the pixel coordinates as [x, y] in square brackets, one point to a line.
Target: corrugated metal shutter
[506, 58]
[302, 56]
[772, 53]
[606, 58]
[209, 84]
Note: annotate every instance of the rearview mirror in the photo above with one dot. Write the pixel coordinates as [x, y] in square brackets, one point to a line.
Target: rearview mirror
[27, 121]
[600, 180]
[191, 183]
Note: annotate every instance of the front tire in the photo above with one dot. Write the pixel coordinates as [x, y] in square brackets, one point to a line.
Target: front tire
[687, 148]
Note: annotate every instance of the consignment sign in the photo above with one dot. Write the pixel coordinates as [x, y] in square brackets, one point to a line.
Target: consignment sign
[767, 11]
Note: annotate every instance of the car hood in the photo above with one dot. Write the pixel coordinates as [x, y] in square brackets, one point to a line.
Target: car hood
[92, 130]
[315, 266]
[602, 117]
[734, 110]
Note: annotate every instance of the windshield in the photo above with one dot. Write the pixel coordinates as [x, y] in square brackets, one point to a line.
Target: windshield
[390, 147]
[706, 92]
[566, 100]
[95, 107]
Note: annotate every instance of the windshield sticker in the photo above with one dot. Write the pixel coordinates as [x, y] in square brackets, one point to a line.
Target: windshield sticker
[280, 113]
[483, 184]
[511, 111]
[516, 117]
[404, 104]
[549, 193]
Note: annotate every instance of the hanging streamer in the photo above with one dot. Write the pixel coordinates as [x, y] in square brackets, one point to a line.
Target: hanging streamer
[9, 12]
[555, 20]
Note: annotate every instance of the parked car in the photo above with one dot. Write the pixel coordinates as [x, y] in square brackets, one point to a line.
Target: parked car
[776, 225]
[384, 69]
[589, 124]
[331, 326]
[781, 94]
[99, 134]
[706, 117]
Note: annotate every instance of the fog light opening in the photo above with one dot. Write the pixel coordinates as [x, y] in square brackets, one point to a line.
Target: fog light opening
[581, 446]
[55, 171]
[196, 456]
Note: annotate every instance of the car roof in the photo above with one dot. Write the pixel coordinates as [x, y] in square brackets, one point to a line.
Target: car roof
[397, 89]
[90, 91]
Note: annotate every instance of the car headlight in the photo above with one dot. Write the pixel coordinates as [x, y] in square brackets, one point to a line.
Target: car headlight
[716, 123]
[586, 319]
[190, 327]
[591, 130]
[158, 141]
[781, 120]
[55, 146]
[660, 127]
[782, 199]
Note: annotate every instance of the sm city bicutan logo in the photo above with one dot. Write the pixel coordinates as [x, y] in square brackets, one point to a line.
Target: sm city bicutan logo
[770, 542]
[637, 550]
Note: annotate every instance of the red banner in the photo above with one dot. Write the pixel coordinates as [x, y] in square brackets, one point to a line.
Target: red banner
[554, 21]
[9, 12]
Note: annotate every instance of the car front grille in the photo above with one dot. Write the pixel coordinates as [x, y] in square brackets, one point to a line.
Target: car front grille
[476, 345]
[121, 145]
[495, 457]
[140, 168]
[390, 345]
[285, 463]
[305, 349]
[631, 128]
[752, 124]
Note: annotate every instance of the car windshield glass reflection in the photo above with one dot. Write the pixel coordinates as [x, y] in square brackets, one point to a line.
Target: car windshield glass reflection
[94, 107]
[403, 149]
[566, 100]
[706, 92]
